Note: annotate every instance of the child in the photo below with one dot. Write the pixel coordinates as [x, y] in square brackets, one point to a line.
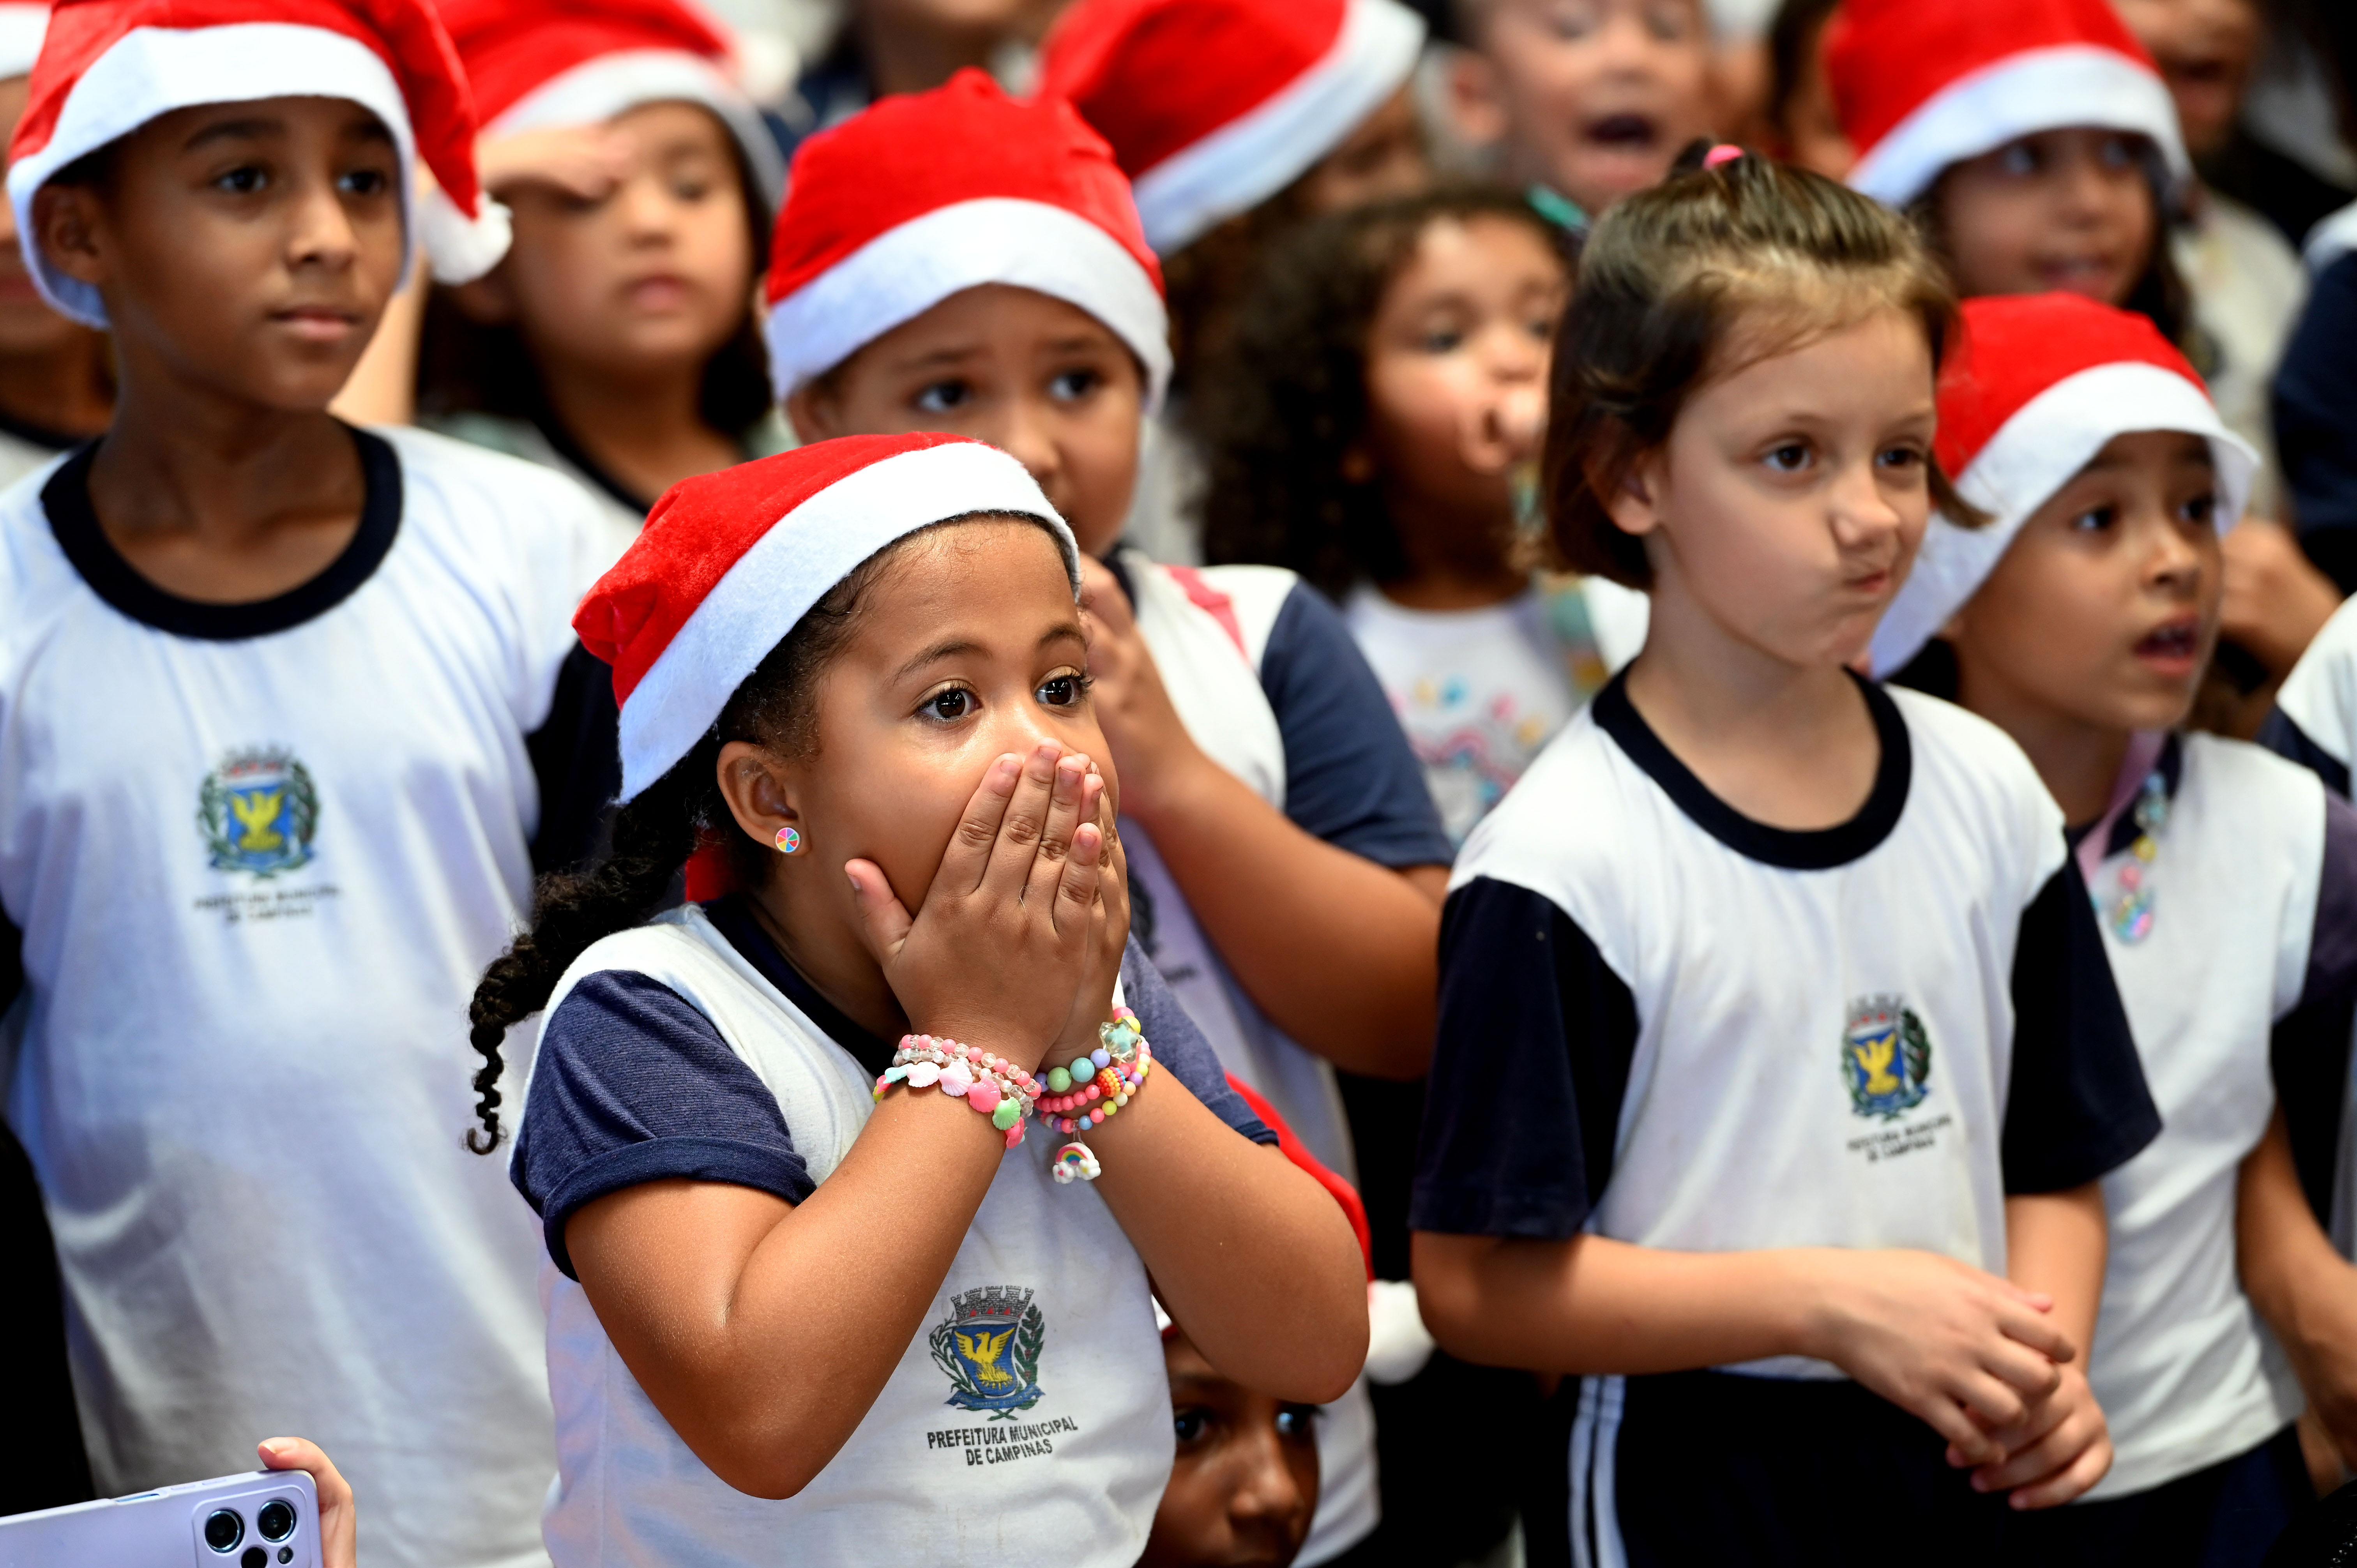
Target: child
[868, 49]
[1237, 119]
[616, 343]
[860, 668]
[1586, 100]
[1384, 401]
[958, 261]
[1776, 1038]
[57, 385]
[283, 736]
[2079, 622]
[1802, 127]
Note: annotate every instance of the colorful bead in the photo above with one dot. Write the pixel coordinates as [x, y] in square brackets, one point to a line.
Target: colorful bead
[983, 1096]
[1100, 1057]
[1008, 1113]
[1058, 1081]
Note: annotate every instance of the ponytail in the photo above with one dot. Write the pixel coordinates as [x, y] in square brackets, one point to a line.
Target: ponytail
[653, 836]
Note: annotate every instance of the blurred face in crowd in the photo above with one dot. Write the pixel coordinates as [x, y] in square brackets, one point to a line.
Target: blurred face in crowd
[28, 326]
[1384, 157]
[2071, 209]
[244, 249]
[648, 276]
[1810, 128]
[1243, 1483]
[1457, 369]
[2204, 49]
[1030, 374]
[2104, 609]
[1594, 98]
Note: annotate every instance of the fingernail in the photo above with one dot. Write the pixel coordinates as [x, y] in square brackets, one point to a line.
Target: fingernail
[1003, 771]
[853, 880]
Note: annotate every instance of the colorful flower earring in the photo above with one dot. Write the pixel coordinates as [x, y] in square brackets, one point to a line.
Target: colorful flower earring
[790, 840]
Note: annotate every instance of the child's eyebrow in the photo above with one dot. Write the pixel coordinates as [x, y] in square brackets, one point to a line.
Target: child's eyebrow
[257, 128]
[933, 655]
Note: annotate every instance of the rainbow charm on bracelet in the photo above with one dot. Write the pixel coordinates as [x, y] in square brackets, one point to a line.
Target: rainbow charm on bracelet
[1091, 1088]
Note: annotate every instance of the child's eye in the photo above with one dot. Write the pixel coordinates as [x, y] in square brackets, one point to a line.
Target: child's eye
[2094, 520]
[1189, 1424]
[1901, 458]
[691, 190]
[1789, 458]
[1441, 340]
[1667, 23]
[2117, 152]
[944, 397]
[366, 182]
[1570, 22]
[2021, 159]
[1542, 328]
[1063, 691]
[2203, 509]
[246, 181]
[948, 704]
[1294, 1421]
[1072, 386]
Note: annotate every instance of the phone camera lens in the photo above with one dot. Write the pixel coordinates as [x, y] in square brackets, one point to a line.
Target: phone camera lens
[286, 1554]
[276, 1522]
[223, 1531]
[254, 1557]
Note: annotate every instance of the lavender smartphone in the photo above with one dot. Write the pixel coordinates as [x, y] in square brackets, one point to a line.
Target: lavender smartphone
[266, 1519]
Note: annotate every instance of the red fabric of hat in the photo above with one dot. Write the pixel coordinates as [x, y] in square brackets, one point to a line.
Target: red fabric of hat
[1213, 106]
[1920, 86]
[728, 561]
[108, 66]
[2038, 385]
[930, 193]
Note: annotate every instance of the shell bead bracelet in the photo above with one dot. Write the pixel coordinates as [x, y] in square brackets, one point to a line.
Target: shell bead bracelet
[989, 1083]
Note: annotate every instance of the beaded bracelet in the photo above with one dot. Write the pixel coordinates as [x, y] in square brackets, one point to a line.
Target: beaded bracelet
[1092, 1088]
[991, 1084]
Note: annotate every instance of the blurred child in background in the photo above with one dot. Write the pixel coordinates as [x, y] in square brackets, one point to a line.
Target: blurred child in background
[296, 686]
[615, 342]
[1801, 124]
[57, 376]
[2080, 621]
[1584, 101]
[882, 46]
[1235, 120]
[1776, 1036]
[957, 261]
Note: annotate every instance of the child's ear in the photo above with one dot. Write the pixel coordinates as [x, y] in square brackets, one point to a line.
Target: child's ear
[814, 415]
[1476, 100]
[1631, 499]
[489, 300]
[761, 791]
[65, 226]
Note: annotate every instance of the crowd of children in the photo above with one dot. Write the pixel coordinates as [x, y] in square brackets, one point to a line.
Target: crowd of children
[1056, 808]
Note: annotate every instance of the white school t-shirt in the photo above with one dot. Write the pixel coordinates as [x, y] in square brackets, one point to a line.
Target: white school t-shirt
[2185, 1372]
[259, 855]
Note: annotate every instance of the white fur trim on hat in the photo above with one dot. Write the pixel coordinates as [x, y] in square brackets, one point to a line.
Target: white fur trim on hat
[906, 271]
[2331, 240]
[22, 27]
[791, 568]
[2039, 90]
[600, 89]
[1251, 158]
[2049, 440]
[154, 71]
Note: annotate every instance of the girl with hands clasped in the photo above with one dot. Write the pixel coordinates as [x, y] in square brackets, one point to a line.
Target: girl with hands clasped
[825, 1299]
[1778, 1057]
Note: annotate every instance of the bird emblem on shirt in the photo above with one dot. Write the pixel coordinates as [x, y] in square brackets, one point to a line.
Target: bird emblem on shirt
[988, 1348]
[981, 1351]
[1886, 1057]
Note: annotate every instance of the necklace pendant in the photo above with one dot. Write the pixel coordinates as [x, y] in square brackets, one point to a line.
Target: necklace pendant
[2131, 915]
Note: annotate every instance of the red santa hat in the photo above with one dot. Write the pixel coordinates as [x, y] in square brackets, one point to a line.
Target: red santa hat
[1920, 86]
[1214, 106]
[2037, 384]
[579, 62]
[728, 563]
[931, 193]
[108, 66]
[21, 27]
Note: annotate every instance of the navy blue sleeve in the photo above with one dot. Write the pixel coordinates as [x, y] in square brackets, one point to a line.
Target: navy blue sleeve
[1349, 778]
[2078, 1108]
[2315, 423]
[2281, 735]
[633, 1085]
[1523, 1106]
[576, 760]
[2309, 1047]
[1179, 1047]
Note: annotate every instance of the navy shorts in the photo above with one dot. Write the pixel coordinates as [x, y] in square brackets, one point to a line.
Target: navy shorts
[2223, 1516]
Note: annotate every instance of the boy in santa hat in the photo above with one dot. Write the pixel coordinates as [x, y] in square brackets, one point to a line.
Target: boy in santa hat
[1235, 120]
[956, 261]
[615, 342]
[2079, 619]
[284, 723]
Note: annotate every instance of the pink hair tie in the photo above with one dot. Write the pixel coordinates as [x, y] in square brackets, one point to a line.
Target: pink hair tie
[1723, 153]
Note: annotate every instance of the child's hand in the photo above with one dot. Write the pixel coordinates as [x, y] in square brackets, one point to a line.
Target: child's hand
[337, 1519]
[584, 161]
[1108, 937]
[2063, 1447]
[1969, 1353]
[1001, 943]
[1151, 748]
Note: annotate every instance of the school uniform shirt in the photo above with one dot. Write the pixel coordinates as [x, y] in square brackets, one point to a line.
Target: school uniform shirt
[2315, 401]
[26, 448]
[2253, 919]
[1264, 676]
[1478, 692]
[2315, 725]
[259, 855]
[1029, 1416]
[1665, 1023]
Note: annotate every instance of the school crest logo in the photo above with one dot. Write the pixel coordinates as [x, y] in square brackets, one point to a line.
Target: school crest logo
[988, 1348]
[258, 811]
[1886, 1057]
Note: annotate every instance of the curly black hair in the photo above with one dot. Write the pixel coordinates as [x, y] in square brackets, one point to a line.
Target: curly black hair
[1284, 407]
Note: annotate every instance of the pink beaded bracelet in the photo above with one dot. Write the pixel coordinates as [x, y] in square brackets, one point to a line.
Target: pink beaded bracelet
[990, 1083]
